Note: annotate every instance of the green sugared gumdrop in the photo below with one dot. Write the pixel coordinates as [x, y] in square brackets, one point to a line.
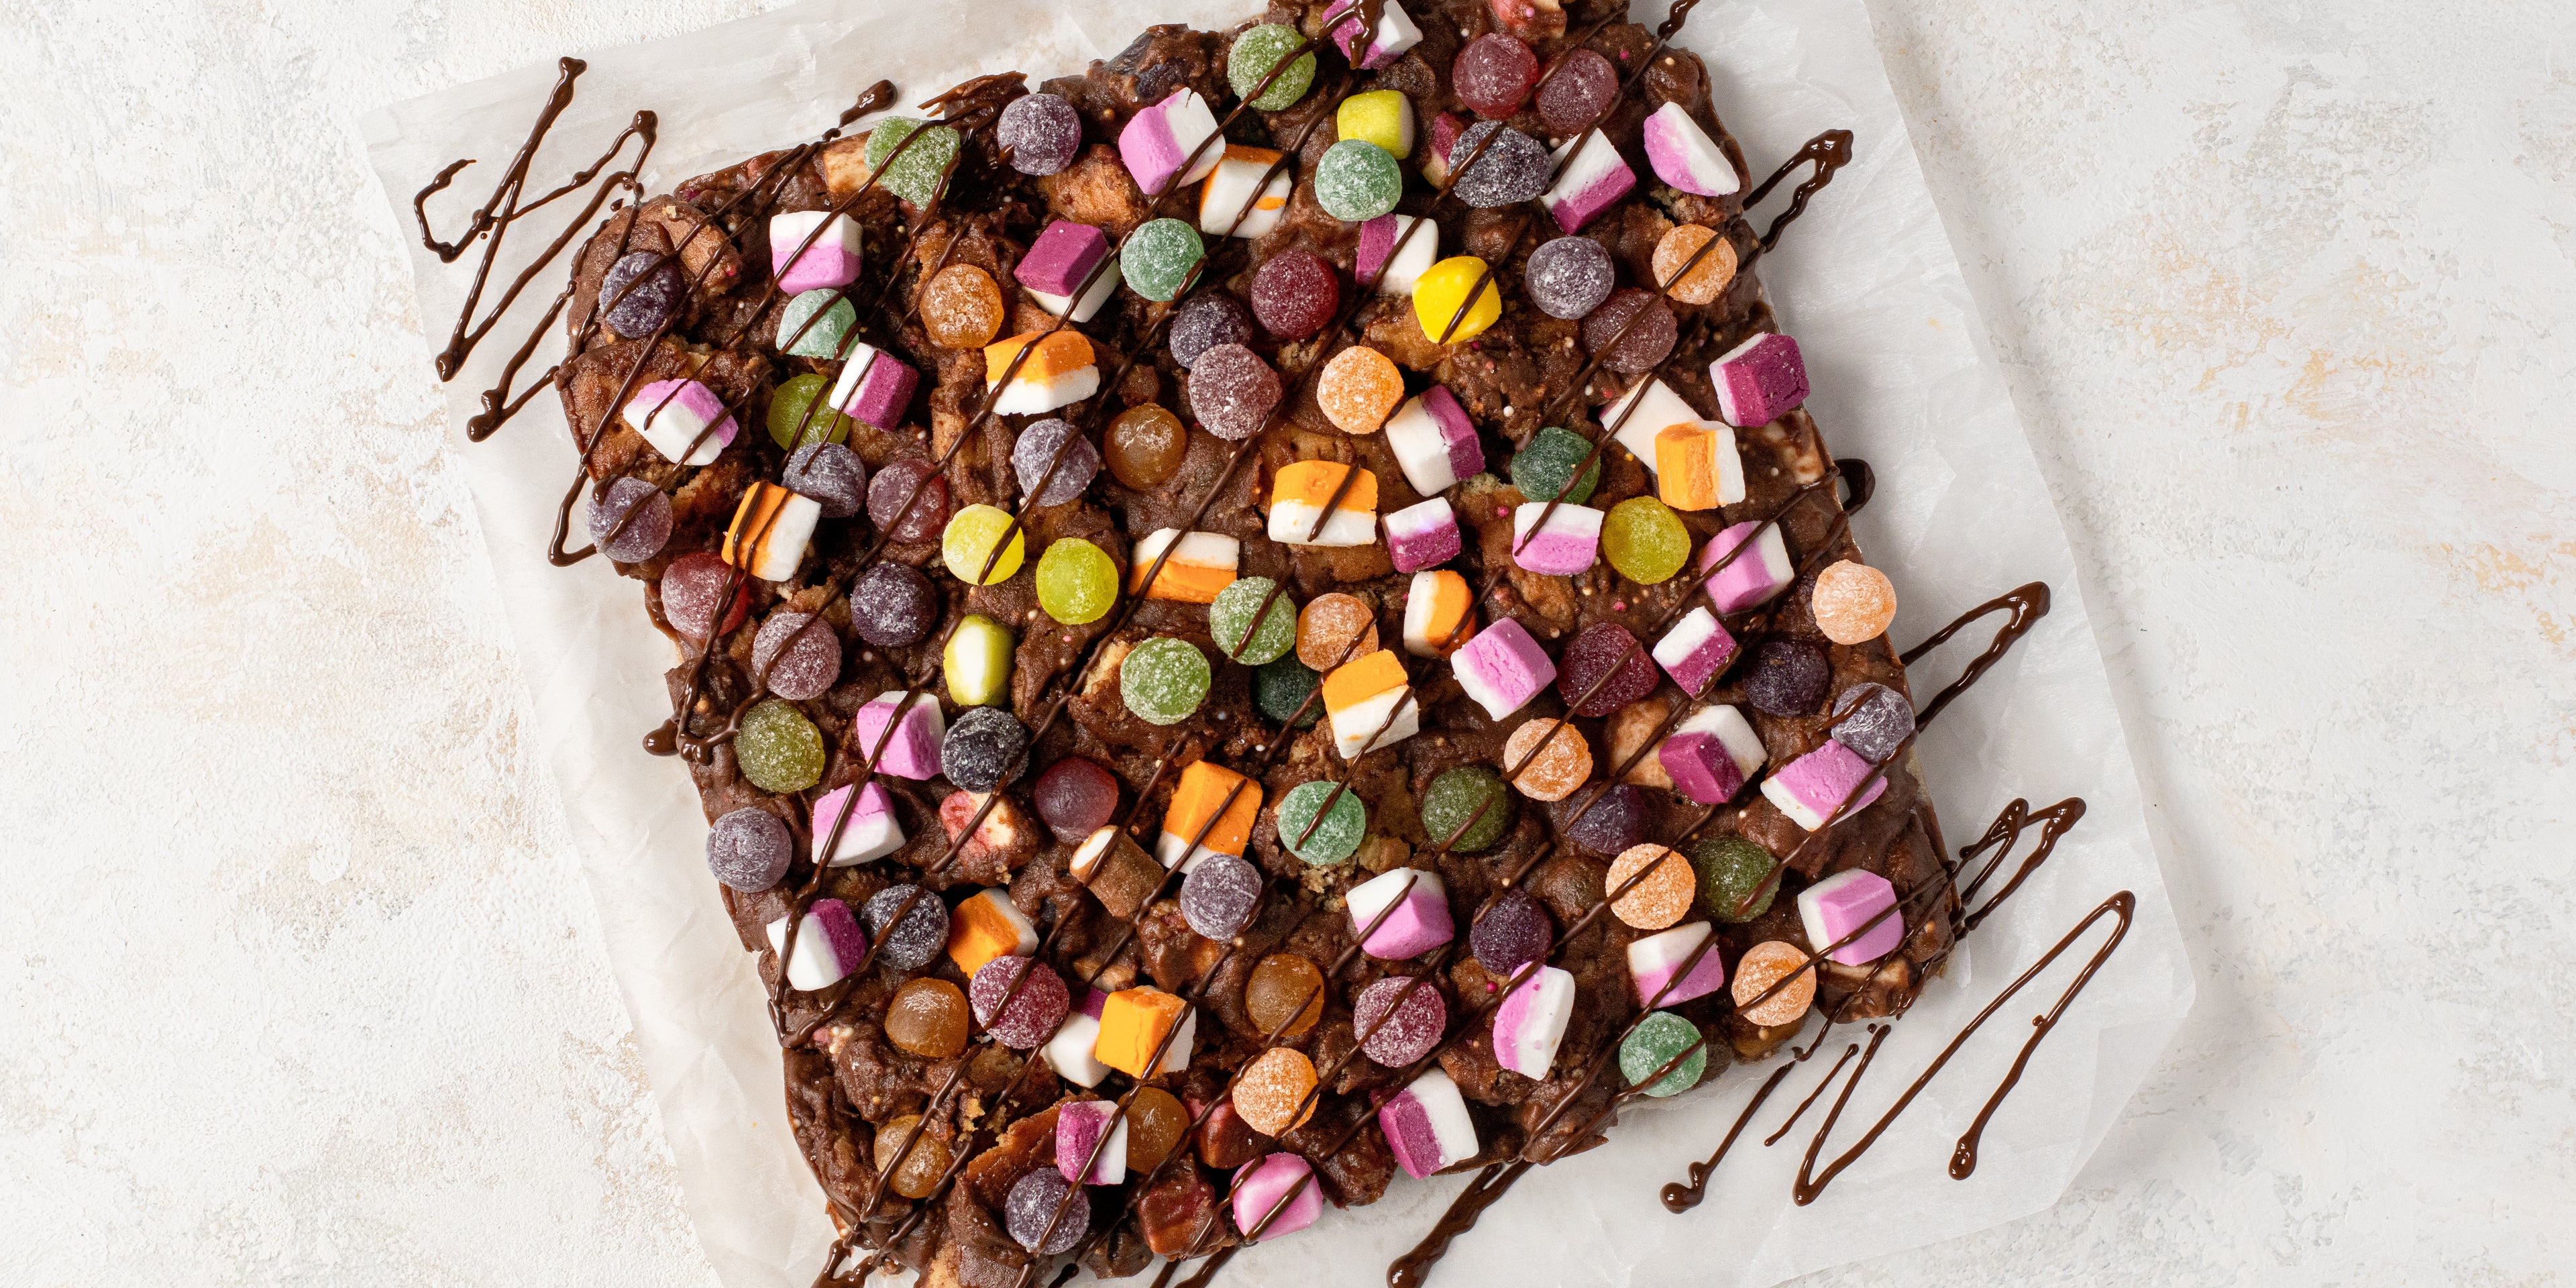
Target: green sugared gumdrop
[1077, 581]
[1158, 257]
[977, 662]
[915, 175]
[1164, 680]
[1653, 1044]
[1230, 617]
[787, 411]
[1280, 688]
[1255, 52]
[1541, 469]
[968, 543]
[1644, 540]
[1456, 796]
[1357, 180]
[1731, 869]
[808, 336]
[1336, 837]
[779, 749]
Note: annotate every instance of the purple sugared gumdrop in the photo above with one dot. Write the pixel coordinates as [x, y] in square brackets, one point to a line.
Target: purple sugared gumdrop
[799, 661]
[1045, 1213]
[639, 537]
[1511, 934]
[1607, 656]
[749, 850]
[1030, 1017]
[893, 605]
[1042, 131]
[1395, 1033]
[1219, 896]
[911, 943]
[1787, 678]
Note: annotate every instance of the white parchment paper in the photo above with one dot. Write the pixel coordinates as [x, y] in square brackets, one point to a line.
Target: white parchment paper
[1869, 285]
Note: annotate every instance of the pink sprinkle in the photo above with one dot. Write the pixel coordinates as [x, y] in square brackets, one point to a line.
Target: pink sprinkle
[1618, 606]
[1502, 512]
[1623, 55]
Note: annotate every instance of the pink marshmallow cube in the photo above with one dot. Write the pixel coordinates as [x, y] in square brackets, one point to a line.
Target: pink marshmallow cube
[1752, 577]
[1531, 1021]
[1655, 960]
[1062, 257]
[1684, 156]
[1502, 668]
[1158, 143]
[872, 832]
[1840, 905]
[1422, 536]
[673, 414]
[829, 945]
[1426, 1125]
[874, 386]
[1701, 767]
[1695, 650]
[1445, 129]
[1434, 441]
[1810, 788]
[1079, 1125]
[1759, 381]
[1592, 181]
[1567, 544]
[1416, 925]
[1262, 1184]
[913, 751]
[831, 259]
[1395, 33]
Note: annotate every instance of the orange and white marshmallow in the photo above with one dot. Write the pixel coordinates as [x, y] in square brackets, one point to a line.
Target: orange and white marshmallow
[1299, 493]
[1658, 408]
[1367, 696]
[988, 925]
[1201, 565]
[1195, 801]
[1696, 466]
[1435, 614]
[1059, 371]
[1230, 185]
[770, 530]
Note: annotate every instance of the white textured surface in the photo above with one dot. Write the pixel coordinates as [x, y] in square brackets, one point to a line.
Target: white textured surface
[302, 988]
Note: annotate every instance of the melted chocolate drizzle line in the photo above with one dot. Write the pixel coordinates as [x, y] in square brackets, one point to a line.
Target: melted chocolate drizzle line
[1679, 1196]
[1821, 1085]
[1414, 1268]
[1828, 152]
[1860, 482]
[2002, 836]
[1963, 1160]
[2026, 603]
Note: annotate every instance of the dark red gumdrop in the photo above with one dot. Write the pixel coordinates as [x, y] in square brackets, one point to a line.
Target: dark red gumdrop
[1294, 294]
[1493, 75]
[1075, 797]
[1512, 933]
[929, 514]
[1632, 331]
[1787, 678]
[1607, 818]
[1604, 649]
[690, 587]
[1577, 93]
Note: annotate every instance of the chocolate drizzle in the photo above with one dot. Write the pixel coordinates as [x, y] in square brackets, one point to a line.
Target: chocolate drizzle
[2027, 603]
[1680, 1196]
[1413, 1268]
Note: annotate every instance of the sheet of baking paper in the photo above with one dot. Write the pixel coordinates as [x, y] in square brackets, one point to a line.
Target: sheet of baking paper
[1869, 285]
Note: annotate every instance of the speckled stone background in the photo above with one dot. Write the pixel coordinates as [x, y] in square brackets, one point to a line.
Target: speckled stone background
[301, 985]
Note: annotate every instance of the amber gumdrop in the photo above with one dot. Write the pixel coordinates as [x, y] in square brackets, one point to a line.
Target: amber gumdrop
[1145, 446]
[928, 1018]
[923, 1164]
[1155, 1124]
[1278, 985]
[962, 308]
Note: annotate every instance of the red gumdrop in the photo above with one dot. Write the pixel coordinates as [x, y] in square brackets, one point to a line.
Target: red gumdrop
[1493, 75]
[1076, 798]
[1579, 92]
[690, 587]
[1604, 649]
[1294, 293]
[929, 514]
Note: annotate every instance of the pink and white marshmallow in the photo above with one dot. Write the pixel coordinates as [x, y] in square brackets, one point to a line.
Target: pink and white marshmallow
[1716, 752]
[1566, 545]
[1811, 788]
[1590, 178]
[1263, 1185]
[1531, 1021]
[1434, 441]
[1841, 904]
[1684, 156]
[1752, 577]
[1060, 261]
[1502, 668]
[1695, 650]
[1655, 964]
[1079, 1125]
[913, 751]
[831, 260]
[1069, 1051]
[1392, 259]
[1658, 409]
[829, 945]
[1422, 536]
[1159, 142]
[872, 832]
[874, 386]
[1426, 1125]
[1760, 380]
[1394, 34]
[672, 414]
[1419, 921]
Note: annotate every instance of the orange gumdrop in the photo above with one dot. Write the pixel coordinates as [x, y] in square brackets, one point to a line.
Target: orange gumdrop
[1853, 602]
[1764, 965]
[1359, 389]
[1276, 1091]
[1563, 760]
[1659, 898]
[1327, 625]
[1707, 278]
[961, 308]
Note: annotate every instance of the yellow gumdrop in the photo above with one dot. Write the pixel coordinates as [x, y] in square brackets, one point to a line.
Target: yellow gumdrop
[1439, 293]
[1381, 116]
